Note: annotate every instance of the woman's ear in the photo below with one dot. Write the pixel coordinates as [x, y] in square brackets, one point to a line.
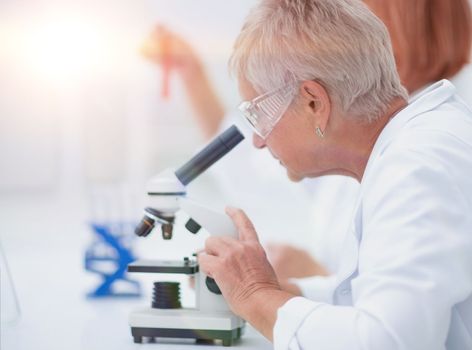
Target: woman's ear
[316, 99]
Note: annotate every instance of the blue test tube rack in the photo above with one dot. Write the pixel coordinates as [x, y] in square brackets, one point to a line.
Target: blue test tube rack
[110, 249]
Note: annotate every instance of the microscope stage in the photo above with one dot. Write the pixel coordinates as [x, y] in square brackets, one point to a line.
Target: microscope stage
[164, 266]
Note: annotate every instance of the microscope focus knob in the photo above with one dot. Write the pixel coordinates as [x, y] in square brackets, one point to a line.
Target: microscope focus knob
[192, 226]
[212, 286]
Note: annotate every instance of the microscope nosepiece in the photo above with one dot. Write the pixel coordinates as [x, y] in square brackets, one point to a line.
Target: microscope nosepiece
[149, 220]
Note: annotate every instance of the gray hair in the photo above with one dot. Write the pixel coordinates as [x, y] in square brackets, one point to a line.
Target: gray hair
[339, 43]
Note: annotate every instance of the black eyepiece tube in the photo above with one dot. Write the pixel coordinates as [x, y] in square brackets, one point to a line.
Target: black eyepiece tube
[221, 145]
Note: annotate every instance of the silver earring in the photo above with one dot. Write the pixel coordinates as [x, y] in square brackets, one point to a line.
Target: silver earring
[319, 132]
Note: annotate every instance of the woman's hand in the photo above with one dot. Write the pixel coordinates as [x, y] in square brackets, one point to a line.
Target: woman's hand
[171, 52]
[292, 262]
[244, 275]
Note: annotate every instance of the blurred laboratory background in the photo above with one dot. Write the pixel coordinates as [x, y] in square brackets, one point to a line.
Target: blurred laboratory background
[80, 105]
[83, 126]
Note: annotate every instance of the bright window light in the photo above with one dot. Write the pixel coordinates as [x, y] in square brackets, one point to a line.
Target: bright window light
[64, 47]
[57, 48]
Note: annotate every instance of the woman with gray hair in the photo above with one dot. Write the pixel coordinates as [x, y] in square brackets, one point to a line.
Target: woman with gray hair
[323, 95]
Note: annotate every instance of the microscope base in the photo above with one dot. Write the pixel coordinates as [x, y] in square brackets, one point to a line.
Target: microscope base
[227, 337]
[186, 323]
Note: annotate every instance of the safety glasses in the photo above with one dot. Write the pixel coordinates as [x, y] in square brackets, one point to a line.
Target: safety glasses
[264, 111]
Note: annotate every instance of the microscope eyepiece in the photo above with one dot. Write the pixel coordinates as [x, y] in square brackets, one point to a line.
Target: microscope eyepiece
[215, 150]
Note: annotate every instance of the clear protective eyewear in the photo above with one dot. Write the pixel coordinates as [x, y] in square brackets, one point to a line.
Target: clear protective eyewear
[264, 111]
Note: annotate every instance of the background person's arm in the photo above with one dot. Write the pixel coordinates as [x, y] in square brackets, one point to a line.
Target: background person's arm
[292, 262]
[174, 54]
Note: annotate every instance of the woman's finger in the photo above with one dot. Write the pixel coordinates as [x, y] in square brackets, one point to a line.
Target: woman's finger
[208, 264]
[217, 246]
[243, 224]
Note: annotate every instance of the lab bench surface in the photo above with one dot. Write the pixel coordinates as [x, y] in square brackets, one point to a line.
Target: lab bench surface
[55, 314]
[45, 255]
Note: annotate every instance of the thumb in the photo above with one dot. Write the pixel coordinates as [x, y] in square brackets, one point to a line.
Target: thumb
[246, 229]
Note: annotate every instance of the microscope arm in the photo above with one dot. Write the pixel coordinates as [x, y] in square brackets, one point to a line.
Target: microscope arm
[215, 223]
[165, 189]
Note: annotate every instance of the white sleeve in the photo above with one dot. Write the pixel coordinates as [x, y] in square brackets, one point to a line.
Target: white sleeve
[317, 288]
[414, 265]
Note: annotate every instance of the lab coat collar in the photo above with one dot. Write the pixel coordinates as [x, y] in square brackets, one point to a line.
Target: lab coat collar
[423, 102]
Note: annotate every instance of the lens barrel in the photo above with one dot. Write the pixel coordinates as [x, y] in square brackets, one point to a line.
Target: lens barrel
[144, 227]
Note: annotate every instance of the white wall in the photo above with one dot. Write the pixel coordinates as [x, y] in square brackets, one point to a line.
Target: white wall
[105, 122]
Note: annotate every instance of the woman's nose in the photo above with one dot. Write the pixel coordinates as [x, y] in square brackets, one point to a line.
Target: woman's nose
[258, 141]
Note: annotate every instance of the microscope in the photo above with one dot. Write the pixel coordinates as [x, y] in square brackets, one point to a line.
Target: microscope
[211, 319]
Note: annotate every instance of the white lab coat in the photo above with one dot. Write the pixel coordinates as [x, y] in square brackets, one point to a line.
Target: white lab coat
[405, 279]
[331, 215]
[462, 82]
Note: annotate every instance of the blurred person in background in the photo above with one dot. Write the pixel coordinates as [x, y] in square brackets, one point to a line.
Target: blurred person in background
[431, 41]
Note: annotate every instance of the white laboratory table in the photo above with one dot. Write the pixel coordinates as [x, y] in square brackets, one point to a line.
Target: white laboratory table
[44, 241]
